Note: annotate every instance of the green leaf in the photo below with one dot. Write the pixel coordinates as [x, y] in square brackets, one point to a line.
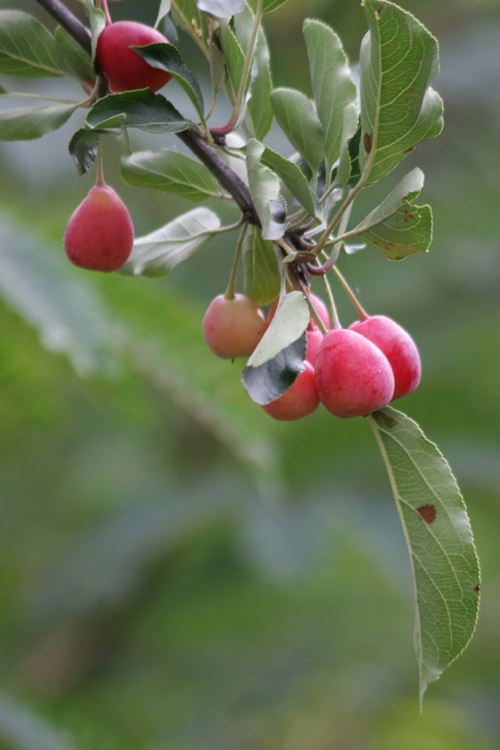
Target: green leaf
[399, 109]
[397, 227]
[262, 274]
[166, 57]
[27, 49]
[188, 17]
[163, 9]
[233, 55]
[83, 147]
[137, 109]
[28, 123]
[171, 171]
[265, 191]
[158, 253]
[221, 8]
[299, 121]
[332, 85]
[437, 530]
[259, 107]
[97, 21]
[217, 65]
[350, 126]
[75, 60]
[292, 176]
[279, 356]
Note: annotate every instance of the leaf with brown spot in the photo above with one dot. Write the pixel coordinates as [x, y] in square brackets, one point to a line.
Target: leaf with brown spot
[443, 556]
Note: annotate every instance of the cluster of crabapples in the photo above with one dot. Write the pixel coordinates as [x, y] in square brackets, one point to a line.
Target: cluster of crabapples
[352, 371]
[100, 234]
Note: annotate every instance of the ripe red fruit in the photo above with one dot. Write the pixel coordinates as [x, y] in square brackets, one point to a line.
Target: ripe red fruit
[233, 327]
[122, 66]
[399, 348]
[314, 341]
[298, 401]
[353, 377]
[100, 234]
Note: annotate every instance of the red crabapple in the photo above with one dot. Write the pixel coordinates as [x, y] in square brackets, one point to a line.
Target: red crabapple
[353, 377]
[398, 347]
[314, 341]
[298, 401]
[100, 234]
[122, 66]
[233, 327]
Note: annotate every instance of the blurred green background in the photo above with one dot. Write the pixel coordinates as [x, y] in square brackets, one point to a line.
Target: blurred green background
[178, 571]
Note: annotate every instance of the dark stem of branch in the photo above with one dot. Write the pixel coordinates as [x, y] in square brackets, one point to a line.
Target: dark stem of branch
[226, 177]
[69, 22]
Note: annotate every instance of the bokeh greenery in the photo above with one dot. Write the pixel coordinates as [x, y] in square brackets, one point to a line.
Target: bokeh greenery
[178, 571]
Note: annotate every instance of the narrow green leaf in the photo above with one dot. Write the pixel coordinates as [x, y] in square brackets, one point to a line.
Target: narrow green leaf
[397, 227]
[292, 176]
[265, 191]
[259, 108]
[171, 171]
[28, 123]
[399, 58]
[188, 17]
[333, 88]
[233, 55]
[279, 356]
[27, 49]
[221, 8]
[166, 57]
[97, 22]
[350, 126]
[163, 9]
[262, 274]
[437, 530]
[137, 109]
[158, 253]
[74, 59]
[299, 121]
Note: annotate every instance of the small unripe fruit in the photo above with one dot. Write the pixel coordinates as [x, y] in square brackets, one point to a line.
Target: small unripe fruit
[122, 66]
[298, 401]
[353, 377]
[233, 327]
[100, 234]
[399, 348]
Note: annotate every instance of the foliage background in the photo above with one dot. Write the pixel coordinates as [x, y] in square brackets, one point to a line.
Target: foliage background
[177, 570]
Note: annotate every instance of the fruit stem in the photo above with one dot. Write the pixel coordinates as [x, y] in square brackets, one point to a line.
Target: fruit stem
[100, 167]
[334, 316]
[106, 12]
[229, 293]
[362, 314]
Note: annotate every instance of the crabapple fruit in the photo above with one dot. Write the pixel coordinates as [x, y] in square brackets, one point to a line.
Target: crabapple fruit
[398, 347]
[314, 341]
[122, 66]
[100, 234]
[298, 401]
[233, 327]
[353, 377]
